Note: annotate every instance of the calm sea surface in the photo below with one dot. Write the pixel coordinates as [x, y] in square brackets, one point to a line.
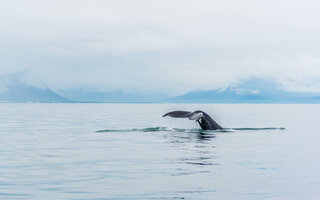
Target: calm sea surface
[53, 151]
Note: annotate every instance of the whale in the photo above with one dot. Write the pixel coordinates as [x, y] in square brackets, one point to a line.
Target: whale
[204, 120]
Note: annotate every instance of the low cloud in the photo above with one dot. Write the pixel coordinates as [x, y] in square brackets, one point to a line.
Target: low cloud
[162, 46]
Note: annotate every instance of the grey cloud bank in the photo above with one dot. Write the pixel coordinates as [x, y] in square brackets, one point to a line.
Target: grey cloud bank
[161, 46]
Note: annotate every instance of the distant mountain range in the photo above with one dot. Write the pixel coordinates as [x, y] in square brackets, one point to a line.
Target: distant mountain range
[249, 91]
[14, 89]
[115, 96]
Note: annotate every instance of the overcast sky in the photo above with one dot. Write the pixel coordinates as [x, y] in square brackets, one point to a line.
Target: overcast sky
[170, 46]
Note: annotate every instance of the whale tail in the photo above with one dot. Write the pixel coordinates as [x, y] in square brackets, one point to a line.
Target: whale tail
[185, 114]
[204, 120]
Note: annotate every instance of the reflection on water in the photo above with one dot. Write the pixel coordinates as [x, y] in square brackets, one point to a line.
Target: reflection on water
[196, 149]
[192, 142]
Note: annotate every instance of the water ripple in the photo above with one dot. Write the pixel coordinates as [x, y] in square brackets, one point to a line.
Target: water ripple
[195, 130]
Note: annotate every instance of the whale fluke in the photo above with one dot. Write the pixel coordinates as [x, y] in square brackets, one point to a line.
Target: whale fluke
[177, 114]
[204, 120]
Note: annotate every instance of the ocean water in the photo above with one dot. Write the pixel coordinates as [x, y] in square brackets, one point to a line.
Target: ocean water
[129, 151]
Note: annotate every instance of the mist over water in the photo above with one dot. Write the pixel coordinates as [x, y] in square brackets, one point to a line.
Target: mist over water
[129, 151]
